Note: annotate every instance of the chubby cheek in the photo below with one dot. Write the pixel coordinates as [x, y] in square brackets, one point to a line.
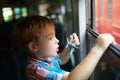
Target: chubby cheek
[49, 50]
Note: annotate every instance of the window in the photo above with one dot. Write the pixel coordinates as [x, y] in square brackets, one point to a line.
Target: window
[24, 12]
[7, 14]
[110, 9]
[17, 12]
[101, 7]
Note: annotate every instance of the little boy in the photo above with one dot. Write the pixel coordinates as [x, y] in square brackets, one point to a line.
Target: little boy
[36, 36]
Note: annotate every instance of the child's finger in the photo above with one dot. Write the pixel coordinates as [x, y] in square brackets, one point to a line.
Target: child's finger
[75, 36]
[77, 42]
[71, 38]
[114, 42]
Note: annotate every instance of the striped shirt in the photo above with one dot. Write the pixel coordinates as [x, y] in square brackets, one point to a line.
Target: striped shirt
[44, 69]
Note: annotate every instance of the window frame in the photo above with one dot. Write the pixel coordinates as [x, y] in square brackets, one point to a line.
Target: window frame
[113, 50]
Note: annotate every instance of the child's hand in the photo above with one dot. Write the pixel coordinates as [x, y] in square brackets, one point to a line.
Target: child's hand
[74, 38]
[104, 40]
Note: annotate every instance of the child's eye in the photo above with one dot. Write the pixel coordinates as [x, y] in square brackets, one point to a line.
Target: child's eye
[51, 37]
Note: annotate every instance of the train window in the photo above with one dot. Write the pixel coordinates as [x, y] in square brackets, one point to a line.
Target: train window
[7, 14]
[110, 9]
[109, 23]
[17, 13]
[24, 12]
[43, 9]
[63, 9]
[101, 7]
[109, 66]
[53, 16]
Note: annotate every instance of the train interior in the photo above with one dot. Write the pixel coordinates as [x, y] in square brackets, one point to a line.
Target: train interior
[68, 16]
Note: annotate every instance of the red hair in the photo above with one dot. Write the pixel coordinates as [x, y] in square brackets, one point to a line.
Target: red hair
[29, 29]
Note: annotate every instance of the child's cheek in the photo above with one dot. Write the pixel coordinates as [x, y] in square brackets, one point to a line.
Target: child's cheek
[50, 49]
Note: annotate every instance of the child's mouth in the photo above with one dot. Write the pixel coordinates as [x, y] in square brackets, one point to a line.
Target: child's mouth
[57, 49]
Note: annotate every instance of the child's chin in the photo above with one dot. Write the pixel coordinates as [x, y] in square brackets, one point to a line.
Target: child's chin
[54, 55]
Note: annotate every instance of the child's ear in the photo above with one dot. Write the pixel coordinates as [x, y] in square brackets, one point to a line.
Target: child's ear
[32, 47]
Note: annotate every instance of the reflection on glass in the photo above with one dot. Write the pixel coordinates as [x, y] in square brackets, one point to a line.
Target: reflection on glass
[61, 18]
[101, 7]
[17, 13]
[110, 9]
[43, 9]
[63, 9]
[7, 14]
[24, 12]
[53, 16]
[107, 18]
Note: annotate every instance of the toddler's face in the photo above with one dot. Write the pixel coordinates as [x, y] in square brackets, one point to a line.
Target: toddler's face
[48, 43]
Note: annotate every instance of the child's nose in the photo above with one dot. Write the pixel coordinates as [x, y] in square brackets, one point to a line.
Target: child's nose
[57, 40]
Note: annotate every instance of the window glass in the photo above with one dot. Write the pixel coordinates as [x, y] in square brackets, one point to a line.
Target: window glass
[110, 9]
[101, 8]
[7, 14]
[24, 12]
[17, 13]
